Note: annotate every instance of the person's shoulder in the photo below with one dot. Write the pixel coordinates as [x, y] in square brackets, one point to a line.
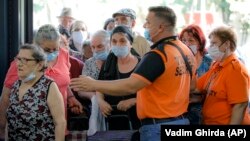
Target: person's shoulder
[238, 65]
[63, 51]
[48, 78]
[138, 37]
[90, 60]
[75, 59]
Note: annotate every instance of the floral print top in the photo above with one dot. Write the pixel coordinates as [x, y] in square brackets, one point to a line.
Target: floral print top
[30, 119]
[90, 68]
[205, 65]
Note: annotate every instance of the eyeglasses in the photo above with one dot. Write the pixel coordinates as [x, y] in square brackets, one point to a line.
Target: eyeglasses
[24, 60]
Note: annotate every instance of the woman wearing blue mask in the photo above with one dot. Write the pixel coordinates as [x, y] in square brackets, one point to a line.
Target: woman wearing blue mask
[100, 46]
[58, 65]
[120, 64]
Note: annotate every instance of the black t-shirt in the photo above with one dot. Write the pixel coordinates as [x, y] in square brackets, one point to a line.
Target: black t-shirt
[151, 66]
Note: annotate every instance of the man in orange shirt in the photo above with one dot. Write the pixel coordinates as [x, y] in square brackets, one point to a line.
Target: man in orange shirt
[226, 84]
[162, 82]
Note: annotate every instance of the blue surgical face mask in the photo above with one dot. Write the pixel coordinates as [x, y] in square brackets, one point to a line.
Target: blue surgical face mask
[52, 56]
[120, 51]
[31, 76]
[101, 55]
[109, 31]
[147, 34]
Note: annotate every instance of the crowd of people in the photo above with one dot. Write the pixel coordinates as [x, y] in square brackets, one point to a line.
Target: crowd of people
[145, 81]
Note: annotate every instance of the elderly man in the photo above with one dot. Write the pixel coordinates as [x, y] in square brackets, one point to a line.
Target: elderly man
[65, 21]
[162, 84]
[127, 17]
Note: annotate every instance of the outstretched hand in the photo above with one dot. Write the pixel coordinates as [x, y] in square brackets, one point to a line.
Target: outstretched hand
[82, 83]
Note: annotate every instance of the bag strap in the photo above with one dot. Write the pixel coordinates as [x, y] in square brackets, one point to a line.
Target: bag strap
[161, 48]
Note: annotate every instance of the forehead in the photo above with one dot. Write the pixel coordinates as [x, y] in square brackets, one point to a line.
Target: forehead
[49, 44]
[67, 18]
[121, 17]
[26, 53]
[150, 15]
[97, 40]
[188, 35]
[214, 38]
[119, 35]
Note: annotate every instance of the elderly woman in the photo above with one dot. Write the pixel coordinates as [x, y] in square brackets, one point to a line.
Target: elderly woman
[226, 84]
[48, 38]
[86, 50]
[100, 46]
[79, 33]
[36, 108]
[119, 64]
[194, 38]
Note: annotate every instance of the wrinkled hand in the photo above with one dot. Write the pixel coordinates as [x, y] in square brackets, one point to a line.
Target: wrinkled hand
[75, 106]
[124, 105]
[105, 108]
[82, 83]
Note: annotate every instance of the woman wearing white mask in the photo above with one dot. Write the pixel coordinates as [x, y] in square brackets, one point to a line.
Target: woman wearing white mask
[79, 34]
[194, 38]
[226, 84]
[120, 64]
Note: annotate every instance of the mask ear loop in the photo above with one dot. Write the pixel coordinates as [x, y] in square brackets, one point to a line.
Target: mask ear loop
[227, 50]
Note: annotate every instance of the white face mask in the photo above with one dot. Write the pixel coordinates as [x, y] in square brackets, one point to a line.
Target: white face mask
[194, 49]
[215, 53]
[78, 38]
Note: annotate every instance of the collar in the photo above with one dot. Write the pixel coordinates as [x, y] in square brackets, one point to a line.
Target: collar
[167, 39]
[227, 60]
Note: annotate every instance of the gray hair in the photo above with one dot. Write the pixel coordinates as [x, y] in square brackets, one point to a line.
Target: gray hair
[78, 25]
[37, 53]
[47, 33]
[102, 34]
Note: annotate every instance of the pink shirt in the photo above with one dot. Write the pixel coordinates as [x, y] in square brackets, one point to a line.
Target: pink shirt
[60, 73]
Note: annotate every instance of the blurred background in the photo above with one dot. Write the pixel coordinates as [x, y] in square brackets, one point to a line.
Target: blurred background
[206, 13]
